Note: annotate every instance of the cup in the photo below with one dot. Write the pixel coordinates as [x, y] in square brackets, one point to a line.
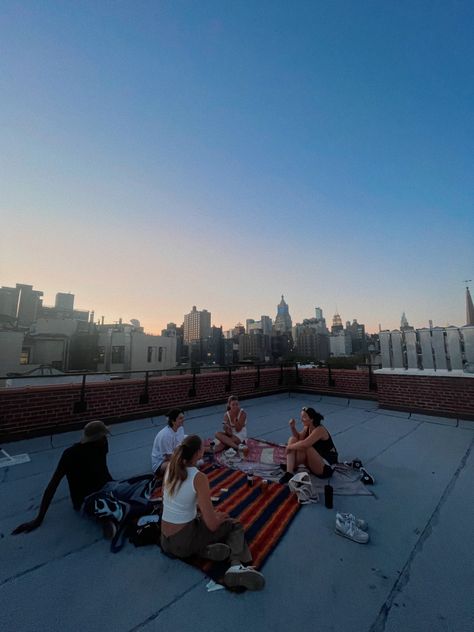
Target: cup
[245, 450]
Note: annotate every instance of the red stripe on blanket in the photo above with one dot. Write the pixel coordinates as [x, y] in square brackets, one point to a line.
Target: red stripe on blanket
[273, 506]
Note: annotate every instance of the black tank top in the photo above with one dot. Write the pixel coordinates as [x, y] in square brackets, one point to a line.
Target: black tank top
[325, 446]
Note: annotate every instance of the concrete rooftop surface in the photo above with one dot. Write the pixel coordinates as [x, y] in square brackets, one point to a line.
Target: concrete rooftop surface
[415, 574]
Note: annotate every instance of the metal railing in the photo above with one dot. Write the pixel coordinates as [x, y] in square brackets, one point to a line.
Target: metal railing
[285, 378]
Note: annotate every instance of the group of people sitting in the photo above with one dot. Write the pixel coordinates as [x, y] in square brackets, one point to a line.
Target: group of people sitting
[190, 525]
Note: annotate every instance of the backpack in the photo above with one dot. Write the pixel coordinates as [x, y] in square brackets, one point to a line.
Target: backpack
[124, 503]
[302, 486]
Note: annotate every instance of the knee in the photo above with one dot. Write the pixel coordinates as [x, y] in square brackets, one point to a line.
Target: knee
[292, 440]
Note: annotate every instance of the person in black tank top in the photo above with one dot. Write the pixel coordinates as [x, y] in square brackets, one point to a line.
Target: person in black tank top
[312, 446]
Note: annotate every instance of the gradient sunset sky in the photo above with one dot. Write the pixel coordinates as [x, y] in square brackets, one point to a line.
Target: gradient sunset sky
[160, 155]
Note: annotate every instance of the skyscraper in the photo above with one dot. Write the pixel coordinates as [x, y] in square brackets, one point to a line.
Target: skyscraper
[197, 325]
[337, 324]
[64, 301]
[404, 324]
[283, 321]
[469, 308]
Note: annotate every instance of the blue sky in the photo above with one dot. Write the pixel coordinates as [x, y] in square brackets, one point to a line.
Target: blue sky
[159, 155]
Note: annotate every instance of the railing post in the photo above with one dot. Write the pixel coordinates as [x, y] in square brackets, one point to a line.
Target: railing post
[280, 380]
[298, 380]
[228, 386]
[192, 390]
[144, 397]
[331, 381]
[81, 405]
[257, 382]
[372, 382]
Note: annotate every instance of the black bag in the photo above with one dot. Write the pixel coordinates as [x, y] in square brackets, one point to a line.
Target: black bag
[147, 531]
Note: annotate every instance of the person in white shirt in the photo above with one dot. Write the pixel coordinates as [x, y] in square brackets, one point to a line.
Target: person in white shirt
[211, 534]
[167, 440]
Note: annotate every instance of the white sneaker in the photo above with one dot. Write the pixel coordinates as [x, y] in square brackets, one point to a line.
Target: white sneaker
[244, 576]
[359, 523]
[348, 529]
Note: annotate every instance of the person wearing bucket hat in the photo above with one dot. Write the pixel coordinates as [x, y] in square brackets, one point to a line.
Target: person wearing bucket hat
[94, 431]
[84, 464]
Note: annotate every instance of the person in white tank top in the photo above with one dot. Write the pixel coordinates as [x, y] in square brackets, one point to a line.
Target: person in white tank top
[234, 430]
[211, 534]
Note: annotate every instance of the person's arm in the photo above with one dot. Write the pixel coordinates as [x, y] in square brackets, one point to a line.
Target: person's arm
[212, 518]
[241, 421]
[48, 495]
[167, 447]
[226, 425]
[303, 444]
[294, 432]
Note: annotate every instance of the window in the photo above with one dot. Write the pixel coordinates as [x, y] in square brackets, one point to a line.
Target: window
[25, 355]
[118, 354]
[100, 358]
[151, 354]
[161, 354]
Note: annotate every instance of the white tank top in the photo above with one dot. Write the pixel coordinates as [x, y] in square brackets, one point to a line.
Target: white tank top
[181, 507]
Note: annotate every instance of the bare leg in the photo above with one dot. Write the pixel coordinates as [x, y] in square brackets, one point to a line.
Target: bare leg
[291, 456]
[226, 441]
[314, 461]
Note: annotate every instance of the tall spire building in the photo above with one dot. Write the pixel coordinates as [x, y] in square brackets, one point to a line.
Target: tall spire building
[283, 321]
[469, 308]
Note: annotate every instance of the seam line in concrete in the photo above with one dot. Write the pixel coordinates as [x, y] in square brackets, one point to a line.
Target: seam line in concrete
[396, 441]
[404, 577]
[55, 559]
[156, 614]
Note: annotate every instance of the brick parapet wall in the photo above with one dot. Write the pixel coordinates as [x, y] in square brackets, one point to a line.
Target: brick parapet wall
[26, 412]
[433, 395]
[36, 411]
[346, 383]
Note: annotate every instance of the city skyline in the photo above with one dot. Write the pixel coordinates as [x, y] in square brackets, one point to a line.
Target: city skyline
[160, 156]
[180, 319]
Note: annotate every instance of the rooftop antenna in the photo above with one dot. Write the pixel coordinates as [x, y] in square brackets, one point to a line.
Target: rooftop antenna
[466, 281]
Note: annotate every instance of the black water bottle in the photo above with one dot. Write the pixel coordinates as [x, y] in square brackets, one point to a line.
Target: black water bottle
[212, 453]
[328, 493]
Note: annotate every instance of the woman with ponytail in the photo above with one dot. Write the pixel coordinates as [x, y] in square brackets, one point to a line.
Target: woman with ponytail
[210, 534]
[312, 446]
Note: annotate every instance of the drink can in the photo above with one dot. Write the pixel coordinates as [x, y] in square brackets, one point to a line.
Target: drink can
[250, 478]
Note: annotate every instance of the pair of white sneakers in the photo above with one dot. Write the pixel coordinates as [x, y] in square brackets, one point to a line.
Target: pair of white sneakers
[351, 527]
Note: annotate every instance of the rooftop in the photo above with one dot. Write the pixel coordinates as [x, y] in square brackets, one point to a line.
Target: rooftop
[413, 575]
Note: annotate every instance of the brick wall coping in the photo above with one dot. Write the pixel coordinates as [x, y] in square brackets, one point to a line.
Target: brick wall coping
[424, 373]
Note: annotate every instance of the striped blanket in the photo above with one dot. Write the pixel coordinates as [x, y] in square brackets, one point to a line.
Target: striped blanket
[264, 511]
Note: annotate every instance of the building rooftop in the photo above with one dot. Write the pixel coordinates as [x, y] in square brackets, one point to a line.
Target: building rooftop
[413, 575]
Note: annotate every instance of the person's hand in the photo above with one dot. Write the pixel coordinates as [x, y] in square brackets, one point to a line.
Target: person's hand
[222, 516]
[289, 448]
[26, 527]
[228, 430]
[292, 424]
